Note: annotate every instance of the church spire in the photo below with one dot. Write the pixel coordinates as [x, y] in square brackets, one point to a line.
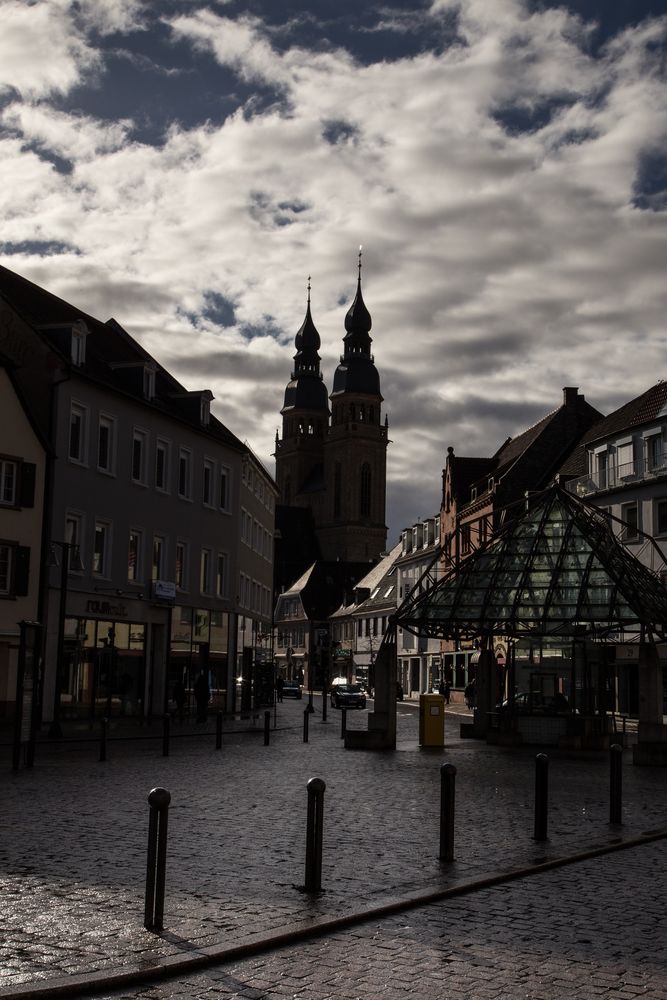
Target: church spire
[306, 390]
[358, 321]
[357, 372]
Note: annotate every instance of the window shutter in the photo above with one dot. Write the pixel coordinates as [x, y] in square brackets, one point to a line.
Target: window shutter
[22, 571]
[27, 487]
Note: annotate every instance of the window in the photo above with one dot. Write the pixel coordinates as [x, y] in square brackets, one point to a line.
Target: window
[221, 575]
[149, 382]
[139, 449]
[654, 452]
[257, 543]
[78, 346]
[601, 470]
[105, 444]
[205, 574]
[465, 539]
[337, 489]
[630, 519]
[223, 492]
[77, 433]
[181, 565]
[184, 474]
[660, 517]
[134, 555]
[242, 592]
[74, 537]
[157, 563]
[161, 465]
[6, 569]
[207, 484]
[365, 491]
[101, 548]
[8, 479]
[625, 466]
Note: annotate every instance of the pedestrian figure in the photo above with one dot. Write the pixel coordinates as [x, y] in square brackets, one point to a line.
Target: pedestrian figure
[441, 688]
[280, 684]
[179, 698]
[469, 694]
[447, 692]
[202, 695]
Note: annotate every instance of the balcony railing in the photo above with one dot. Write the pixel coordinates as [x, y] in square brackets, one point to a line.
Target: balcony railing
[615, 477]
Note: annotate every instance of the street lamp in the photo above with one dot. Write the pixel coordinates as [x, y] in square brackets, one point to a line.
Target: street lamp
[69, 560]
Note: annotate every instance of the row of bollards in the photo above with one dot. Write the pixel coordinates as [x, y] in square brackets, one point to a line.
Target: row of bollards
[159, 799]
[166, 733]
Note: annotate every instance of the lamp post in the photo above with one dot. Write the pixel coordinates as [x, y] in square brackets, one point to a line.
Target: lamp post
[55, 730]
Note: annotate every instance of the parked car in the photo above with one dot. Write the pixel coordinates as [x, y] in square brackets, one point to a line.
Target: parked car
[344, 695]
[292, 689]
[537, 704]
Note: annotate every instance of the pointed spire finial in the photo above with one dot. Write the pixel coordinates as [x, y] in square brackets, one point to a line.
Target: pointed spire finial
[360, 252]
[308, 289]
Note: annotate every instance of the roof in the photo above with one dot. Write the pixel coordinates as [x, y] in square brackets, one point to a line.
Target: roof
[558, 570]
[109, 350]
[380, 578]
[323, 585]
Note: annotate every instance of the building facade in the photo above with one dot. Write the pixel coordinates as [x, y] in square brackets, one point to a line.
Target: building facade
[145, 493]
[22, 476]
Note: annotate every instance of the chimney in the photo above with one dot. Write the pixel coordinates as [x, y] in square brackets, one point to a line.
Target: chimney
[570, 393]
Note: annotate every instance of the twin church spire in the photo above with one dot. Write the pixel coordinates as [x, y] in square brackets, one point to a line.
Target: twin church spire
[332, 454]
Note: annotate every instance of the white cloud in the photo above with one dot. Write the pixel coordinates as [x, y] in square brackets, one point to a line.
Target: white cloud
[41, 51]
[500, 265]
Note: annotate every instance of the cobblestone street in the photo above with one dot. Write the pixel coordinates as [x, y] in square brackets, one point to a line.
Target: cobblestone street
[73, 851]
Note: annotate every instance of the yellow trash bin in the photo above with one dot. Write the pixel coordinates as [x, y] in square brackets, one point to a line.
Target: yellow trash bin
[431, 720]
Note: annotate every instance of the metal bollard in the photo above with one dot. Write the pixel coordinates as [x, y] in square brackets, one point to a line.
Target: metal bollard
[315, 788]
[447, 797]
[267, 728]
[165, 736]
[343, 723]
[305, 725]
[218, 731]
[541, 796]
[616, 784]
[158, 800]
[103, 740]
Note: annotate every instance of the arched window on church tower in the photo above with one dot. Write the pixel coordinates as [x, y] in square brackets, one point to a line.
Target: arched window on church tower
[365, 491]
[337, 489]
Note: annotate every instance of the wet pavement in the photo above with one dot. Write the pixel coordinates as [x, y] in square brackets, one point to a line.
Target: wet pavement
[73, 833]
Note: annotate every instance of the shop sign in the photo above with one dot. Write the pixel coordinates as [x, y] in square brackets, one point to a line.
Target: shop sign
[164, 590]
[107, 609]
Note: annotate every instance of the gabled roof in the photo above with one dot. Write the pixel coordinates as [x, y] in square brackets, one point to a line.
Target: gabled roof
[109, 351]
[557, 570]
[323, 586]
[641, 410]
[380, 578]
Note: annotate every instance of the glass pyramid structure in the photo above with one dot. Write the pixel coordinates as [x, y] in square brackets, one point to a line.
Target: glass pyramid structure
[557, 570]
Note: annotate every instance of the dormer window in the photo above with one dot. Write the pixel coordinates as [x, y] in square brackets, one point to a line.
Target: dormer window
[204, 411]
[490, 485]
[78, 344]
[149, 382]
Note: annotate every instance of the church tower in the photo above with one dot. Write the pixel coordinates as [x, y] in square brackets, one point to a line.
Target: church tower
[351, 527]
[299, 454]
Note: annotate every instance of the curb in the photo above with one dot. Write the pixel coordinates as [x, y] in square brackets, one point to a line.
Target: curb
[91, 983]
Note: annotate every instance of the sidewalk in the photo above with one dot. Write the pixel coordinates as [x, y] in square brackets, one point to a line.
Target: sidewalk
[73, 837]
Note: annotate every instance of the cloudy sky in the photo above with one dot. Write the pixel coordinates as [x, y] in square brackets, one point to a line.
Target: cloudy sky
[184, 166]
